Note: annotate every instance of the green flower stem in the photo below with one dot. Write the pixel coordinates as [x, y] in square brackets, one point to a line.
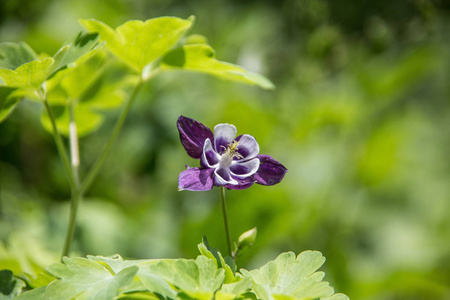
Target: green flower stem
[225, 218]
[96, 167]
[76, 192]
[59, 144]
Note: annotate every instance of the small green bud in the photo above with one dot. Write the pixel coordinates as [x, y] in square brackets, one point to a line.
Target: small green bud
[246, 239]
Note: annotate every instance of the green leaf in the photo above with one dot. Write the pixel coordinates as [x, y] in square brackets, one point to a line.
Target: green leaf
[212, 253]
[288, 277]
[13, 55]
[29, 75]
[336, 297]
[87, 87]
[147, 279]
[9, 286]
[8, 101]
[115, 263]
[139, 296]
[74, 83]
[77, 47]
[81, 278]
[154, 282]
[7, 282]
[139, 43]
[201, 58]
[233, 290]
[34, 294]
[195, 39]
[41, 279]
[198, 279]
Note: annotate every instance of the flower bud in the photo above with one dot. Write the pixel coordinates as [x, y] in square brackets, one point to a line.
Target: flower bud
[247, 238]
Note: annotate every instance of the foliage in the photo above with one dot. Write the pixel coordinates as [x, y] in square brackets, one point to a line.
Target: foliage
[98, 277]
[72, 83]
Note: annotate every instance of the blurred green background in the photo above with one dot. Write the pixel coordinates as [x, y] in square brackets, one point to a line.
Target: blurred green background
[360, 117]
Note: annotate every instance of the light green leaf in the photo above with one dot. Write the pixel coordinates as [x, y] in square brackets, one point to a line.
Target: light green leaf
[198, 279]
[116, 263]
[143, 280]
[214, 254]
[41, 279]
[336, 297]
[13, 55]
[139, 296]
[88, 88]
[77, 47]
[233, 290]
[34, 294]
[8, 101]
[195, 39]
[154, 282]
[73, 83]
[201, 58]
[81, 278]
[29, 75]
[139, 43]
[288, 277]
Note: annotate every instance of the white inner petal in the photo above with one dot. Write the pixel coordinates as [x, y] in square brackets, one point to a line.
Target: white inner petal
[224, 134]
[251, 167]
[208, 148]
[223, 181]
[248, 144]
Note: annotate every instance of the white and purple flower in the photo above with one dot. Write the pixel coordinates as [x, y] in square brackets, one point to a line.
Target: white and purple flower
[225, 160]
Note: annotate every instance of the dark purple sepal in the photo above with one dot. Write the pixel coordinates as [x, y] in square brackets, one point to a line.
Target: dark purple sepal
[243, 183]
[270, 171]
[193, 135]
[196, 179]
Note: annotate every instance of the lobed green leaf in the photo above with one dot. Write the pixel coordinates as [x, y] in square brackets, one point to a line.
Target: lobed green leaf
[73, 50]
[13, 55]
[228, 265]
[198, 279]
[88, 88]
[201, 58]
[140, 43]
[288, 277]
[29, 75]
[81, 278]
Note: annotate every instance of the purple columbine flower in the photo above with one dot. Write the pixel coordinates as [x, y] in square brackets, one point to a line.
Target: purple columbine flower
[225, 160]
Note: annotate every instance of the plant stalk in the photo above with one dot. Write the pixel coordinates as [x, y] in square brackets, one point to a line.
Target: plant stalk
[225, 219]
[76, 192]
[59, 145]
[96, 167]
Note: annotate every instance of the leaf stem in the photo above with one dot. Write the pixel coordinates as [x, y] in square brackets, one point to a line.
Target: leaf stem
[96, 167]
[59, 144]
[225, 218]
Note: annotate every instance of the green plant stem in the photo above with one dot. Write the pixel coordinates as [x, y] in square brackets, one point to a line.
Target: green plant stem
[96, 167]
[76, 192]
[59, 145]
[75, 201]
[225, 218]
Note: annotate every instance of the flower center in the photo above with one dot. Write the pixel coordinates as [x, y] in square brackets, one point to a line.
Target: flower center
[230, 152]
